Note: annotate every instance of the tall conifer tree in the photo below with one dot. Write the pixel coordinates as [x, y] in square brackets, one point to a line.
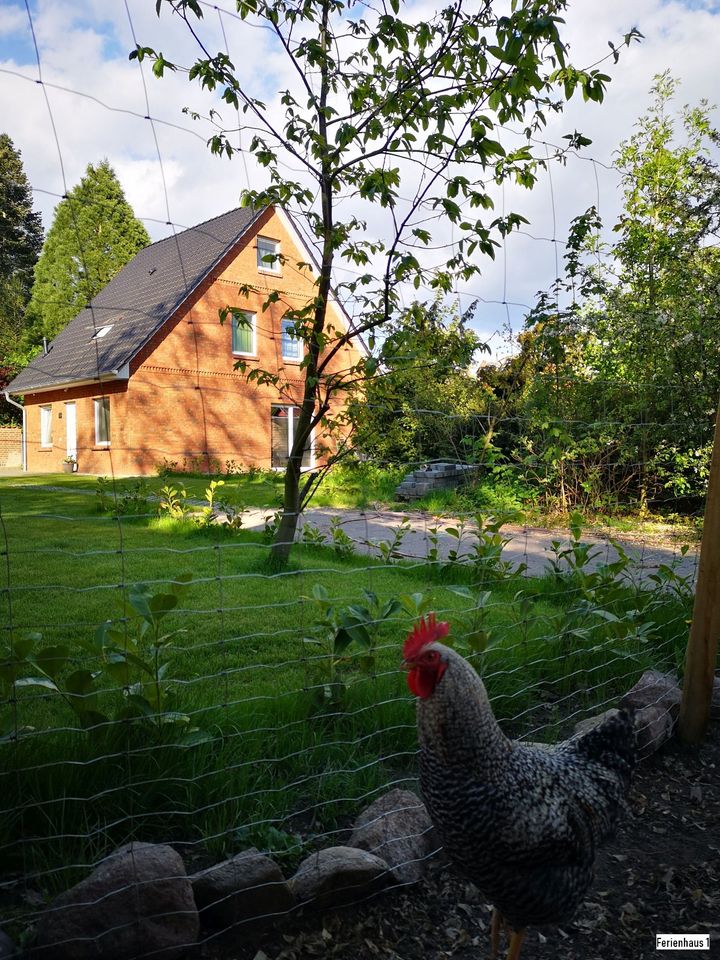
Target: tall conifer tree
[20, 242]
[93, 235]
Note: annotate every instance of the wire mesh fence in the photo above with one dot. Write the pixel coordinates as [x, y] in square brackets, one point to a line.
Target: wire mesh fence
[171, 687]
[165, 682]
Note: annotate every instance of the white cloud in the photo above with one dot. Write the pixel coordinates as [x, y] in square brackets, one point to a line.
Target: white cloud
[102, 113]
[12, 19]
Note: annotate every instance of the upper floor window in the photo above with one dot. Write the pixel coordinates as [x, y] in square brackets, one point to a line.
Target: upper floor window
[268, 256]
[46, 426]
[243, 333]
[102, 421]
[291, 344]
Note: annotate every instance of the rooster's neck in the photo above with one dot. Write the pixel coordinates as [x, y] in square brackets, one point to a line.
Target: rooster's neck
[457, 724]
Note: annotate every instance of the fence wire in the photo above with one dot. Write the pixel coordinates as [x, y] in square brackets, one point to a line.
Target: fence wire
[167, 684]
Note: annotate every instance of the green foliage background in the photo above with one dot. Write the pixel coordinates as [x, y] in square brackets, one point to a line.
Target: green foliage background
[93, 235]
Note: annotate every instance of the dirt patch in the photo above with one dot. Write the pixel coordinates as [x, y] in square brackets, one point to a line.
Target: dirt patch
[660, 875]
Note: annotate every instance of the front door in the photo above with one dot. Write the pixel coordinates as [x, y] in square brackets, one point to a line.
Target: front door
[71, 429]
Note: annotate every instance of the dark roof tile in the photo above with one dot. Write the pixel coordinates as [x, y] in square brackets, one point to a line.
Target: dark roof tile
[135, 304]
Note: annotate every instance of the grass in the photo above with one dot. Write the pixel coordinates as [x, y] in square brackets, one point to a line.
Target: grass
[279, 762]
[363, 485]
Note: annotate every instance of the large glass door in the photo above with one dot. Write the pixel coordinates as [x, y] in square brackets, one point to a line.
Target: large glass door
[283, 419]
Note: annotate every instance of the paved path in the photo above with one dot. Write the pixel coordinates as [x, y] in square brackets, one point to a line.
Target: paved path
[529, 545]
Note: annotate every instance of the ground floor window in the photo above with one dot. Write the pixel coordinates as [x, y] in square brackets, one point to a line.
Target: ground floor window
[46, 426]
[283, 420]
[102, 422]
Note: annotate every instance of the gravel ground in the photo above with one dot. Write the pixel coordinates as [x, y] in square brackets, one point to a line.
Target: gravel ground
[660, 875]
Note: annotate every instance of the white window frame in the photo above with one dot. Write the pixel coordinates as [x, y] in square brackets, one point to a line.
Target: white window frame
[102, 332]
[98, 403]
[295, 339]
[46, 426]
[274, 268]
[253, 330]
[293, 411]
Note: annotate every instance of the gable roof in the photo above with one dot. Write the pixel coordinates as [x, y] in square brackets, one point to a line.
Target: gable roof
[134, 305]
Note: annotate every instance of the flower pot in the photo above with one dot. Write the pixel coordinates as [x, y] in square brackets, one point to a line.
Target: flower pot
[69, 467]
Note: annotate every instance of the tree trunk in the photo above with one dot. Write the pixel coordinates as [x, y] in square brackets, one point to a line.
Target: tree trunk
[285, 535]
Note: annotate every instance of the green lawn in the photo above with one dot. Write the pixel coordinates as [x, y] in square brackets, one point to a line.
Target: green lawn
[280, 759]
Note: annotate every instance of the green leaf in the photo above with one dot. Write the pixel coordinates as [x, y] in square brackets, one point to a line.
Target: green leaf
[465, 592]
[23, 645]
[161, 604]
[80, 683]
[139, 601]
[51, 660]
[43, 682]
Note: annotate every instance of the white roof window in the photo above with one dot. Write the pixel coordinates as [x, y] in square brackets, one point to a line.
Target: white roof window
[102, 332]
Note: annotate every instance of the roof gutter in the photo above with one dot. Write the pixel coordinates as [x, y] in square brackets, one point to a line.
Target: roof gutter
[122, 373]
[20, 407]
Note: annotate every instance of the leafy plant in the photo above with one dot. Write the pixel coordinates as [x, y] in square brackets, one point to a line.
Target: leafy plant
[312, 535]
[136, 652]
[121, 501]
[346, 638]
[572, 558]
[25, 666]
[472, 635]
[173, 502]
[391, 549]
[208, 514]
[486, 553]
[342, 544]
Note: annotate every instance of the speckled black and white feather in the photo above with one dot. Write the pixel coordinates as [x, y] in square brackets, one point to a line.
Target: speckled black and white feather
[521, 821]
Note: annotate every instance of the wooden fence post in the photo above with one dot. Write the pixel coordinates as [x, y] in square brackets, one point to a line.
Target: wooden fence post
[701, 656]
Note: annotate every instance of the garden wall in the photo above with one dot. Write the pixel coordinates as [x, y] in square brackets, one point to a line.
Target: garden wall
[10, 448]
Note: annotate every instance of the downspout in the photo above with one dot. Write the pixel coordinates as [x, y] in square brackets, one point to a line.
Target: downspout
[24, 424]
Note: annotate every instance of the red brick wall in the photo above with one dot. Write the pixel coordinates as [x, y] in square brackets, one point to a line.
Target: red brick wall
[91, 458]
[184, 398]
[10, 448]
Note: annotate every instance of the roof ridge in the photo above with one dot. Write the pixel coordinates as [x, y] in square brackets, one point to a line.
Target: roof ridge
[174, 235]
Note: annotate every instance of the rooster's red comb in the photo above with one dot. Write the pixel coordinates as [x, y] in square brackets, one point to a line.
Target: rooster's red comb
[426, 630]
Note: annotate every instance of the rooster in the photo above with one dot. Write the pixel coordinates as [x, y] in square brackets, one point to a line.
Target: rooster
[520, 820]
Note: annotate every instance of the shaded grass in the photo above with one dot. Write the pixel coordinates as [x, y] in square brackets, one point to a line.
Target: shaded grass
[275, 758]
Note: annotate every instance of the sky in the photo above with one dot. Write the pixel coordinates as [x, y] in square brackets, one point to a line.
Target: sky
[94, 103]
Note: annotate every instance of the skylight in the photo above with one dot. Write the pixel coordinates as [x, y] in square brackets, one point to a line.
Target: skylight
[102, 332]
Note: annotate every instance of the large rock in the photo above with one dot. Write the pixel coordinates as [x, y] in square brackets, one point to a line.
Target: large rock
[654, 689]
[397, 828]
[589, 723]
[338, 875]
[654, 725]
[247, 887]
[137, 902]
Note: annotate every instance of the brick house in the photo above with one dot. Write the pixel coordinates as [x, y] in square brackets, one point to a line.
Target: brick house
[145, 374]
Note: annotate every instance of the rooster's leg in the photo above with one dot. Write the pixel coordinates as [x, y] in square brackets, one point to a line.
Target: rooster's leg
[515, 943]
[497, 923]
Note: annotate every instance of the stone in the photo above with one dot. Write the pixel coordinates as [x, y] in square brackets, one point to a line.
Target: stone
[654, 689]
[338, 875]
[136, 902]
[589, 723]
[247, 887]
[397, 828]
[654, 725]
[7, 947]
